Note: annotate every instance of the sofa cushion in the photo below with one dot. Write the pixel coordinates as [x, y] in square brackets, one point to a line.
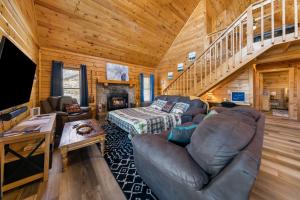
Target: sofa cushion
[54, 100]
[168, 106]
[170, 159]
[180, 108]
[181, 135]
[198, 104]
[173, 98]
[198, 118]
[219, 138]
[162, 97]
[63, 101]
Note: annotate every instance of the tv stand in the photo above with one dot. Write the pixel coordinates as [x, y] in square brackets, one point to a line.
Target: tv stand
[33, 137]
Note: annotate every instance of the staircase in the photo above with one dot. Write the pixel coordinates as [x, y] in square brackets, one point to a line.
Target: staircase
[260, 27]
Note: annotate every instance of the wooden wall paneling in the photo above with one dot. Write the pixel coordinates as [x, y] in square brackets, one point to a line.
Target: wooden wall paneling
[190, 38]
[298, 92]
[237, 82]
[96, 70]
[18, 23]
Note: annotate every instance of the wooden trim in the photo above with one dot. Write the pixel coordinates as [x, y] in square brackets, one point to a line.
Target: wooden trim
[22, 182]
[296, 18]
[298, 92]
[283, 21]
[291, 93]
[249, 31]
[272, 21]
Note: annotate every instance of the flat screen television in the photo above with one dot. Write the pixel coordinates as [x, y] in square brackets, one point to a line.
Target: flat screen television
[238, 96]
[17, 73]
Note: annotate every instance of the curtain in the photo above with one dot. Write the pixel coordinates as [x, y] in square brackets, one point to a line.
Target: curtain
[151, 87]
[83, 87]
[57, 78]
[142, 87]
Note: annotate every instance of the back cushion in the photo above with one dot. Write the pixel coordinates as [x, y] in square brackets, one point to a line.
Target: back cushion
[54, 100]
[219, 138]
[64, 100]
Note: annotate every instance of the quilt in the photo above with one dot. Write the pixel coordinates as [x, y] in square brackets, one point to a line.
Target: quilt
[143, 120]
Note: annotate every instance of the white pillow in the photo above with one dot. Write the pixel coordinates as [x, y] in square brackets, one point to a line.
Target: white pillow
[180, 108]
[158, 104]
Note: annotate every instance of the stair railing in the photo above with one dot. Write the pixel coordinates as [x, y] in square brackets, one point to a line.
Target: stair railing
[252, 33]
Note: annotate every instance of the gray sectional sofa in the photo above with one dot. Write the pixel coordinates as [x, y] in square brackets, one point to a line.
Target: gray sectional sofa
[196, 106]
[221, 161]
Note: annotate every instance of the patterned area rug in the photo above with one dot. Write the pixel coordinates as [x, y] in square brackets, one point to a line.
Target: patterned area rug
[119, 157]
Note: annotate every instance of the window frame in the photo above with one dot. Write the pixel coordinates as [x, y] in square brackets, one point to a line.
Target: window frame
[149, 89]
[73, 88]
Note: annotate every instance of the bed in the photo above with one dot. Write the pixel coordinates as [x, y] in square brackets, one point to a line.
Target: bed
[143, 120]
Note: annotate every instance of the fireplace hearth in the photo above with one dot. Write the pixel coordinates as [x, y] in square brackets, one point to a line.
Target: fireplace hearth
[117, 101]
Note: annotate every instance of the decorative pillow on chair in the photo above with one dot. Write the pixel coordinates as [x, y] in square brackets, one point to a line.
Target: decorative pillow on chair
[180, 108]
[72, 108]
[182, 134]
[168, 106]
[158, 104]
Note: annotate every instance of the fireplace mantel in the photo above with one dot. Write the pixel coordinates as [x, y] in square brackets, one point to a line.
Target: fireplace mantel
[108, 82]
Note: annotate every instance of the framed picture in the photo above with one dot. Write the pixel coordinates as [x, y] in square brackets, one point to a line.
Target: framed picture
[117, 72]
[170, 75]
[180, 67]
[192, 56]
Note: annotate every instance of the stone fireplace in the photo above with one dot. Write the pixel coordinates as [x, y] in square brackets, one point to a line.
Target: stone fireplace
[115, 96]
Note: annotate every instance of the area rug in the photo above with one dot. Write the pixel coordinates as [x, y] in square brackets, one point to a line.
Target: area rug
[119, 157]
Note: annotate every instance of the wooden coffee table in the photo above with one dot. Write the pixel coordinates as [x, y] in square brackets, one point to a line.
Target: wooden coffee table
[71, 140]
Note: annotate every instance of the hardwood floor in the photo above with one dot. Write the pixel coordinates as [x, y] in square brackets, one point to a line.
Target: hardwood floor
[88, 176]
[279, 176]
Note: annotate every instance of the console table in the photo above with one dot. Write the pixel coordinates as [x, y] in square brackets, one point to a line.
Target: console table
[20, 148]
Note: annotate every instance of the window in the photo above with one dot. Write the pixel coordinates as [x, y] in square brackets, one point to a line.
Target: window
[147, 89]
[71, 83]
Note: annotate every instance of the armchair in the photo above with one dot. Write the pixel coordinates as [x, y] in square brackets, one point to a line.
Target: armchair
[56, 104]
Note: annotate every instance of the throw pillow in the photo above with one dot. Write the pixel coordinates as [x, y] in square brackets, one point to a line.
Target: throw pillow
[168, 106]
[158, 104]
[72, 108]
[210, 114]
[180, 108]
[181, 135]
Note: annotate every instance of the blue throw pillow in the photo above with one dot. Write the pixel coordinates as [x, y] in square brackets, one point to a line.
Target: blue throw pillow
[181, 135]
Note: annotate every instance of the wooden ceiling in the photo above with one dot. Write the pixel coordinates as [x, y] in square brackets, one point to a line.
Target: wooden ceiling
[132, 31]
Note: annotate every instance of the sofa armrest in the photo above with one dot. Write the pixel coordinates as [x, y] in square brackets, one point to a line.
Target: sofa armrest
[61, 113]
[85, 109]
[237, 177]
[172, 160]
[190, 114]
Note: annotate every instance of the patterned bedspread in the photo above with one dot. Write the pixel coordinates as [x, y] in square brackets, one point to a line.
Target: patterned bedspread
[143, 120]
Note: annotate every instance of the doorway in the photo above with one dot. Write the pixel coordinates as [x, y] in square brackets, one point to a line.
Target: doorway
[275, 93]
